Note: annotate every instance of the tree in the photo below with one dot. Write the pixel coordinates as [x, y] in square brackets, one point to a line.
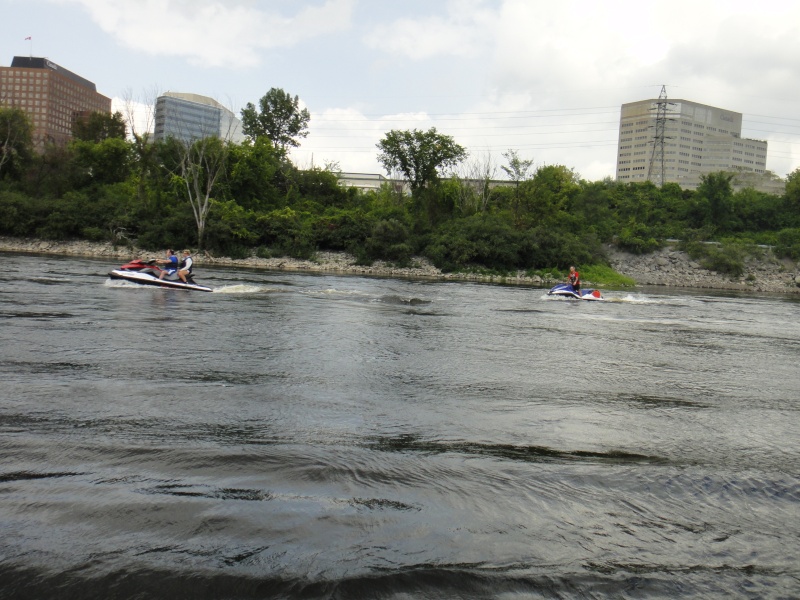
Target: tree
[419, 155]
[549, 192]
[517, 171]
[792, 194]
[98, 126]
[474, 188]
[140, 118]
[716, 193]
[16, 140]
[198, 166]
[279, 118]
[252, 168]
[105, 162]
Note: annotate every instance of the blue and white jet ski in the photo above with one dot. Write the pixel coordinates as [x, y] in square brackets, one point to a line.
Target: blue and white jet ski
[566, 290]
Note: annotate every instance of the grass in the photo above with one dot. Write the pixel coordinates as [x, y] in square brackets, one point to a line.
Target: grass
[605, 276]
[590, 274]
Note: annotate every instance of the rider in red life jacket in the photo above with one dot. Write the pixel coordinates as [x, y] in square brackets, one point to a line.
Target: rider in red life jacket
[574, 279]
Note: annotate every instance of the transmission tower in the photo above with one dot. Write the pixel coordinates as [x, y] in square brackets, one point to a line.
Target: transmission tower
[656, 168]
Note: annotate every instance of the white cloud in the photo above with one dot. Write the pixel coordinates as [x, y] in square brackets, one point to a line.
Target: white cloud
[464, 31]
[212, 32]
[349, 137]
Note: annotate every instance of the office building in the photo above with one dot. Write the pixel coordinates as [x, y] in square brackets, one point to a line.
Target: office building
[697, 140]
[53, 97]
[188, 117]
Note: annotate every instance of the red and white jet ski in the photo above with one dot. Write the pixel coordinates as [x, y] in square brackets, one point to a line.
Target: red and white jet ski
[146, 272]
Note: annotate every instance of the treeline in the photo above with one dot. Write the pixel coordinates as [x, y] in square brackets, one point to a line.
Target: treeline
[105, 187]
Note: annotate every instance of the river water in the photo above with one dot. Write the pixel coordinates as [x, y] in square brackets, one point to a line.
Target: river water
[319, 436]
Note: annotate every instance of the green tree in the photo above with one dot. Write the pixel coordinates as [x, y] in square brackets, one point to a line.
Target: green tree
[715, 194]
[16, 135]
[104, 162]
[278, 117]
[252, 168]
[792, 194]
[51, 172]
[196, 167]
[99, 126]
[548, 192]
[517, 170]
[419, 155]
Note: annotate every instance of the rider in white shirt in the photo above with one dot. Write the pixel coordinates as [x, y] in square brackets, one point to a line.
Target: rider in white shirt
[185, 267]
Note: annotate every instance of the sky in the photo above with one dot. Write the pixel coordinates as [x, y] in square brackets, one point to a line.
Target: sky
[544, 79]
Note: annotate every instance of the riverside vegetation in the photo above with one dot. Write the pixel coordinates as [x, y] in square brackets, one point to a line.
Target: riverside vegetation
[248, 201]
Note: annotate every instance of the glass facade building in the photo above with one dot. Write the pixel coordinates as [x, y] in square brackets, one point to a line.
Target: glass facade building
[188, 117]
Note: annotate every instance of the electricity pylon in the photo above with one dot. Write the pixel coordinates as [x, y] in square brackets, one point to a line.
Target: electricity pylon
[659, 139]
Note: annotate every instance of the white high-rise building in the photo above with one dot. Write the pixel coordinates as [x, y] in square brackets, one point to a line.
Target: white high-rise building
[698, 139]
[190, 117]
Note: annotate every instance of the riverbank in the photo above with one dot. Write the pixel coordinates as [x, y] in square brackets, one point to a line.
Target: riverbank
[667, 267]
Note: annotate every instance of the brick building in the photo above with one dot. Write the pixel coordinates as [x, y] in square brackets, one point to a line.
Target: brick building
[53, 97]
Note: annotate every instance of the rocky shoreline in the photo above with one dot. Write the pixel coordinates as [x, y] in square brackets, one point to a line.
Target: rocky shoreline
[666, 267]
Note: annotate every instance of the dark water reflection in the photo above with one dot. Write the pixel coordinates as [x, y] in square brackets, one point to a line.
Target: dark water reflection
[343, 437]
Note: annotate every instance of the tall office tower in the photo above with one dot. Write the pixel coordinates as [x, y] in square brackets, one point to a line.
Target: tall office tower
[188, 117]
[691, 139]
[53, 97]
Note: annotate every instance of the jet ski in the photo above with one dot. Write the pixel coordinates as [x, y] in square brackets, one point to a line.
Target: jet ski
[566, 290]
[146, 272]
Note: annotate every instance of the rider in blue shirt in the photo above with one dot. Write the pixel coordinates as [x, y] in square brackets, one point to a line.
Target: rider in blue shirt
[171, 263]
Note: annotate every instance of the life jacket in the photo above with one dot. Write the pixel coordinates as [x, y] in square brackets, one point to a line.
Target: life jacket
[575, 279]
[186, 264]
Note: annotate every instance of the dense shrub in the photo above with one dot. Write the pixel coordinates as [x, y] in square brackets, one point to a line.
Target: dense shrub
[637, 238]
[22, 215]
[231, 230]
[342, 229]
[286, 232]
[388, 240]
[479, 240]
[788, 243]
[723, 258]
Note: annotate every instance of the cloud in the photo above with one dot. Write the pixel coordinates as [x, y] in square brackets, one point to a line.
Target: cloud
[552, 76]
[741, 58]
[462, 31]
[212, 32]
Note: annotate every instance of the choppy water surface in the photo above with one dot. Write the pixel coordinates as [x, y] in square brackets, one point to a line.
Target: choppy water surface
[292, 435]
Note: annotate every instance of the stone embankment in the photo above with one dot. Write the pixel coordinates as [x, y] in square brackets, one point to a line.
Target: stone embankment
[671, 267]
[666, 267]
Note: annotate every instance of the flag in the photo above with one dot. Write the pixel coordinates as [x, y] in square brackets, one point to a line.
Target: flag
[27, 38]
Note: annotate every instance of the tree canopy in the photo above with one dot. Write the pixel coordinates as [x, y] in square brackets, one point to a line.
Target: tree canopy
[98, 126]
[278, 118]
[419, 155]
[16, 138]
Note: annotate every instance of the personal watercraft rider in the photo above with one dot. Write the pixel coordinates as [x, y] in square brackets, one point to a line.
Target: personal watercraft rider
[185, 268]
[171, 263]
[574, 279]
